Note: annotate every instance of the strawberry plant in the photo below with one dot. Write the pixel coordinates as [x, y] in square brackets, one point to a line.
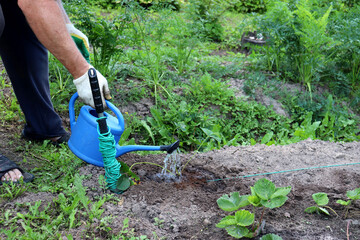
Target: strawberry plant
[270, 237]
[321, 200]
[352, 195]
[264, 195]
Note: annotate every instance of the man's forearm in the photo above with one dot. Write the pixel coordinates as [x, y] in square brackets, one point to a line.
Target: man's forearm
[47, 20]
[63, 12]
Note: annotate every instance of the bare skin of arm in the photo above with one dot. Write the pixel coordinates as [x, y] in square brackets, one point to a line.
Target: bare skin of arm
[48, 19]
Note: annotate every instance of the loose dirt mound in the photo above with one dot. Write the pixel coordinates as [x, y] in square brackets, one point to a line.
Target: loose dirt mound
[187, 209]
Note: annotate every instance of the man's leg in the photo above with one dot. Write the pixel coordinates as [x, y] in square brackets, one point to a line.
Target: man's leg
[13, 174]
[26, 62]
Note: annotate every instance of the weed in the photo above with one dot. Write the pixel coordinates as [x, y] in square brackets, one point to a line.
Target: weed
[128, 234]
[61, 85]
[12, 190]
[159, 222]
[205, 16]
[276, 26]
[3, 80]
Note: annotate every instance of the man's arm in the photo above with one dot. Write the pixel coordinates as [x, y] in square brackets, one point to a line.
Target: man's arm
[46, 19]
[64, 14]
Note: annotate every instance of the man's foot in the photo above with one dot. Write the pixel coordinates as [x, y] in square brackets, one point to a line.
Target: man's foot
[12, 175]
[54, 140]
[10, 171]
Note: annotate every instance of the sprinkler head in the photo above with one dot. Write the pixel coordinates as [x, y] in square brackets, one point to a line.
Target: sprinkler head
[170, 148]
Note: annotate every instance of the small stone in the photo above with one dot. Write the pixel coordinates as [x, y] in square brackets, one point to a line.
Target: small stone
[176, 228]
[340, 155]
[136, 209]
[206, 222]
[141, 172]
[287, 215]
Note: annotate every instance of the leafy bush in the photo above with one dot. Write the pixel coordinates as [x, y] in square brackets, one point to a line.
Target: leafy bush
[277, 27]
[300, 35]
[172, 4]
[106, 35]
[112, 4]
[205, 17]
[249, 6]
[208, 112]
[347, 52]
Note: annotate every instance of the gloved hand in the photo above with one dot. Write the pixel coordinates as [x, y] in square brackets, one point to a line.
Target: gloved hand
[80, 40]
[84, 89]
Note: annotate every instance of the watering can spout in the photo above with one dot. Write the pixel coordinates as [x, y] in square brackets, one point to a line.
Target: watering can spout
[120, 150]
[170, 148]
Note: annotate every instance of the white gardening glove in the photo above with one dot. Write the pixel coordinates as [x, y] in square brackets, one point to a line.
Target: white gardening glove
[81, 41]
[84, 89]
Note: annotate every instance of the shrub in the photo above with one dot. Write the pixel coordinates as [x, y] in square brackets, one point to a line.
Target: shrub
[249, 6]
[205, 17]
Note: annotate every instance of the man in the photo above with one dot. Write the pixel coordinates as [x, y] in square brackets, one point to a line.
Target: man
[27, 30]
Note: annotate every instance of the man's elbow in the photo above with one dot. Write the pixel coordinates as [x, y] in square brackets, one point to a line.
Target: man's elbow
[24, 4]
[29, 5]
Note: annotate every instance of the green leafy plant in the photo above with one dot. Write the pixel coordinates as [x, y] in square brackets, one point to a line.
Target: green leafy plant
[352, 195]
[127, 233]
[127, 179]
[313, 38]
[171, 4]
[61, 86]
[150, 54]
[321, 200]
[106, 34]
[183, 41]
[276, 26]
[248, 6]
[159, 222]
[264, 195]
[205, 16]
[346, 58]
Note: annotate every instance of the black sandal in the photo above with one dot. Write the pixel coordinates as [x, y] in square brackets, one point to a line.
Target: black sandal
[6, 165]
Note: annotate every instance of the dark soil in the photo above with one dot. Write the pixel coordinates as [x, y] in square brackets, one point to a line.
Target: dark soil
[188, 207]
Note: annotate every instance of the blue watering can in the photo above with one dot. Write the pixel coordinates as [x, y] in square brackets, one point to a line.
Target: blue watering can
[84, 142]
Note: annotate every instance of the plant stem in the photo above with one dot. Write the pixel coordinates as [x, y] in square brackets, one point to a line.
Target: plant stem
[332, 210]
[261, 218]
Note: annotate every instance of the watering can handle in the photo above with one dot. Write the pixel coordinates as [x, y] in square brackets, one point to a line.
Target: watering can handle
[109, 104]
[95, 89]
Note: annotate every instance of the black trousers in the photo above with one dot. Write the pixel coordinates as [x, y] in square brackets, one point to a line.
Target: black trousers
[26, 62]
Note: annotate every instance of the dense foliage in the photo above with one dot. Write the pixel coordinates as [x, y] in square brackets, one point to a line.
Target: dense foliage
[168, 52]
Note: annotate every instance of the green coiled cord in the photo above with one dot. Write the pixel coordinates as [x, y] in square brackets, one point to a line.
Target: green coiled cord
[112, 166]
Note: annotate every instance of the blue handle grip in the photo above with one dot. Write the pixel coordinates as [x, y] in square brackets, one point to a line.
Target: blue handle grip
[111, 106]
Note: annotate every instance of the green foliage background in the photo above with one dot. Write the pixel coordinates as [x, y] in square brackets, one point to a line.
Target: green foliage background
[165, 49]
